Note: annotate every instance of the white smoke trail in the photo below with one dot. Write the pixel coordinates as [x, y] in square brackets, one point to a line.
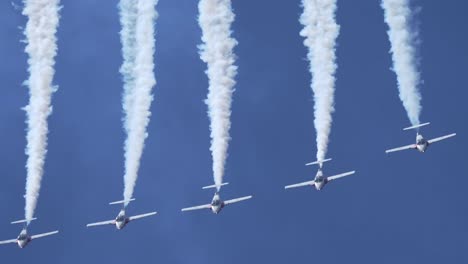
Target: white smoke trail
[137, 36]
[398, 16]
[43, 19]
[320, 32]
[215, 20]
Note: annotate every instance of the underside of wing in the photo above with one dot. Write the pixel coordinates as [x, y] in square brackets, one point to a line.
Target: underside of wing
[44, 234]
[8, 241]
[441, 138]
[412, 146]
[307, 183]
[110, 222]
[238, 200]
[199, 207]
[141, 216]
[341, 175]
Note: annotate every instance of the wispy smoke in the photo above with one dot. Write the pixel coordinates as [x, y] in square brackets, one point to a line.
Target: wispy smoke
[320, 32]
[43, 19]
[215, 20]
[398, 16]
[137, 36]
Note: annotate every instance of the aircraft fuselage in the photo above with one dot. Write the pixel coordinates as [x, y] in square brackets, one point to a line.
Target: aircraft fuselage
[217, 204]
[23, 239]
[121, 220]
[320, 181]
[421, 143]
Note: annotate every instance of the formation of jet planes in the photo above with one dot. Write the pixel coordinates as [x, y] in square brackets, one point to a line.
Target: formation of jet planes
[421, 143]
[319, 181]
[24, 238]
[216, 204]
[121, 220]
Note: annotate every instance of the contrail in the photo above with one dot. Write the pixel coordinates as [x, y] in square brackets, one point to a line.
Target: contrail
[320, 32]
[43, 19]
[137, 36]
[398, 16]
[215, 20]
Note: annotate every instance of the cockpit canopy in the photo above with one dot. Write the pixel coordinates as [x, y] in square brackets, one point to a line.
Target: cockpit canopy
[216, 202]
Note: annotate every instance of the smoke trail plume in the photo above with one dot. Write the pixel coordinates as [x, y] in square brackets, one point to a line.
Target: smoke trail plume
[137, 36]
[215, 20]
[320, 32]
[43, 19]
[398, 16]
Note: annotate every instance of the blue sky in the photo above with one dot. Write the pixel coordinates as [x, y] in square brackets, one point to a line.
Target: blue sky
[407, 207]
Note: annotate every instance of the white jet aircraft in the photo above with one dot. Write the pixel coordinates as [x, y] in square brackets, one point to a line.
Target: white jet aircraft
[319, 181]
[216, 204]
[421, 143]
[121, 220]
[23, 238]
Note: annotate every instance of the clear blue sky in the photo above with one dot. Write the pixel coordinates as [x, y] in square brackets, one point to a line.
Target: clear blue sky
[406, 208]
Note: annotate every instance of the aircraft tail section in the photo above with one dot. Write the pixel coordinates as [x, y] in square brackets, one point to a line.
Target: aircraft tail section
[416, 126]
[122, 201]
[23, 221]
[214, 186]
[318, 162]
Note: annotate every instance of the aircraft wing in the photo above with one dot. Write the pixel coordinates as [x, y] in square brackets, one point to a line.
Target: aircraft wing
[8, 241]
[205, 206]
[110, 222]
[44, 234]
[141, 216]
[441, 138]
[341, 175]
[237, 200]
[412, 146]
[300, 184]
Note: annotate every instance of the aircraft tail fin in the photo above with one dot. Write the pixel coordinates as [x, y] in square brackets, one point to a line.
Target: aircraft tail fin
[416, 126]
[214, 186]
[122, 201]
[318, 162]
[23, 221]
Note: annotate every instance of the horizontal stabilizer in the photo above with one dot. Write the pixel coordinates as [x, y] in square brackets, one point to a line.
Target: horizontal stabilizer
[123, 201]
[317, 162]
[416, 126]
[214, 186]
[23, 221]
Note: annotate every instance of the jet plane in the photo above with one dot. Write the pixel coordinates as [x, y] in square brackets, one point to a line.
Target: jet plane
[24, 238]
[121, 220]
[421, 143]
[216, 204]
[319, 181]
